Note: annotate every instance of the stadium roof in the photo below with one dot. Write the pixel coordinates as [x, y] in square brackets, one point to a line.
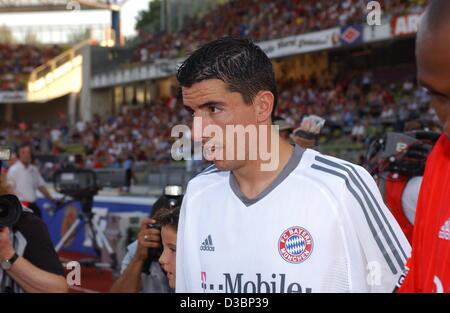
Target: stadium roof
[14, 6]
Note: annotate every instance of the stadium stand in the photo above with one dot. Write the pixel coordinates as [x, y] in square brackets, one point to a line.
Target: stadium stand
[18, 60]
[261, 20]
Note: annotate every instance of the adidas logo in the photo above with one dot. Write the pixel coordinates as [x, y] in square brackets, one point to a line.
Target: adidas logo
[444, 233]
[207, 245]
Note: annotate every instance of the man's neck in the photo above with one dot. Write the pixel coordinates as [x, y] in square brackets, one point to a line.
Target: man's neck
[25, 164]
[252, 180]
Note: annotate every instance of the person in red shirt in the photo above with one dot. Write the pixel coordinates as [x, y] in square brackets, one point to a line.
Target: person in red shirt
[428, 269]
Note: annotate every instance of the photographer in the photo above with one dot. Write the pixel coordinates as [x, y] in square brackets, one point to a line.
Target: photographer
[28, 261]
[397, 162]
[141, 271]
[307, 134]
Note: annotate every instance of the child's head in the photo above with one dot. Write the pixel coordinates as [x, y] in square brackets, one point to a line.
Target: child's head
[167, 218]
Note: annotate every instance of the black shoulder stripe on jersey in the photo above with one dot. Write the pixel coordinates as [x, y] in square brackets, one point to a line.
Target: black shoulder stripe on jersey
[210, 167]
[364, 209]
[209, 170]
[374, 212]
[379, 209]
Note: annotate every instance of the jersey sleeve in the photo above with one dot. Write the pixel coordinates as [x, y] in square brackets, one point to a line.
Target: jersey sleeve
[383, 246]
[181, 264]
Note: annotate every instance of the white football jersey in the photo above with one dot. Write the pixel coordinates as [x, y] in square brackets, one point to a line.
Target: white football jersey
[321, 226]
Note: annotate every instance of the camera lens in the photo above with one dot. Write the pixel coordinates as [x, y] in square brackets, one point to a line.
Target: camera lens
[3, 211]
[10, 210]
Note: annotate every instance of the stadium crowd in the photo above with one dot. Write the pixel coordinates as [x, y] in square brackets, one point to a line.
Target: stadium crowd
[354, 110]
[17, 62]
[355, 106]
[261, 20]
[358, 108]
[140, 132]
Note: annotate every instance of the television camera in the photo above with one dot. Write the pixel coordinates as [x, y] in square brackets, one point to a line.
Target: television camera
[82, 185]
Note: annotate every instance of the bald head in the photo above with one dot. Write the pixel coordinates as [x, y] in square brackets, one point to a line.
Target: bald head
[437, 15]
[433, 57]
[435, 22]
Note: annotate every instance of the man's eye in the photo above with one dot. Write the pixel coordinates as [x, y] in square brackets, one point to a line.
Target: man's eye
[438, 97]
[214, 109]
[173, 250]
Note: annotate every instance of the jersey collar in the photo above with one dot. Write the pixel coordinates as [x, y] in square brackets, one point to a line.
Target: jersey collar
[288, 168]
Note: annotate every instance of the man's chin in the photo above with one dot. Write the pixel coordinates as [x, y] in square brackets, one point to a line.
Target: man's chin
[221, 165]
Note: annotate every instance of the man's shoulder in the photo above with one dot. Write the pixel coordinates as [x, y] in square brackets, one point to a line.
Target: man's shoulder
[209, 177]
[31, 225]
[16, 166]
[34, 167]
[440, 153]
[332, 172]
[210, 172]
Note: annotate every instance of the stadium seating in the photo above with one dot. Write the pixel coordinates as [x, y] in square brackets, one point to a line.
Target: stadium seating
[17, 62]
[261, 20]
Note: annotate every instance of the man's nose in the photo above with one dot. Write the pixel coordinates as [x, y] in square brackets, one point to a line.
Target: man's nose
[198, 126]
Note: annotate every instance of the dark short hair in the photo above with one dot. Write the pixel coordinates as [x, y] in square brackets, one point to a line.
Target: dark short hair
[437, 15]
[239, 63]
[165, 202]
[23, 145]
[168, 216]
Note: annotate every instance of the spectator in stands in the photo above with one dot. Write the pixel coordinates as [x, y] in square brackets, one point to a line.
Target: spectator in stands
[358, 132]
[128, 167]
[261, 20]
[17, 62]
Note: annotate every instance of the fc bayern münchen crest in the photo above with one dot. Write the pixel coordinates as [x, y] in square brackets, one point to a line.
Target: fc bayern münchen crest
[295, 245]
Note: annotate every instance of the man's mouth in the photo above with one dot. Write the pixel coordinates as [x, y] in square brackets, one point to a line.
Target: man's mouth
[211, 151]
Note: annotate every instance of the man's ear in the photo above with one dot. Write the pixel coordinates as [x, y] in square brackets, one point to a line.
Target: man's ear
[264, 105]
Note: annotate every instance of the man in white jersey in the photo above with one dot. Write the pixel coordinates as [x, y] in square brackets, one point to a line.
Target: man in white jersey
[312, 224]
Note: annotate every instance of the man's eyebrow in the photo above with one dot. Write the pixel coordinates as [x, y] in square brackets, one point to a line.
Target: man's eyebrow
[210, 103]
[432, 90]
[204, 105]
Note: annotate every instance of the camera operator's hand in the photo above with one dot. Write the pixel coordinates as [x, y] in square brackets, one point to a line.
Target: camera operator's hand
[6, 248]
[147, 238]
